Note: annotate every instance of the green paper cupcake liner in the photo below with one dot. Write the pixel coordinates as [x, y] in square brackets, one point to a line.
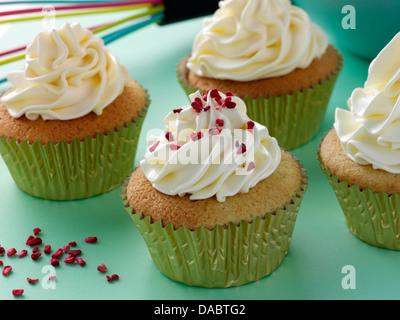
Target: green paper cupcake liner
[224, 256]
[371, 216]
[293, 119]
[76, 170]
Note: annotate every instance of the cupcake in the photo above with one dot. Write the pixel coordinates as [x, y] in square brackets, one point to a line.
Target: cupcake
[272, 56]
[215, 198]
[360, 155]
[69, 127]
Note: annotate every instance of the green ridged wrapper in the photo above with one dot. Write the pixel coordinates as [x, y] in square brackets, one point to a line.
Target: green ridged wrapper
[371, 216]
[76, 170]
[293, 119]
[224, 256]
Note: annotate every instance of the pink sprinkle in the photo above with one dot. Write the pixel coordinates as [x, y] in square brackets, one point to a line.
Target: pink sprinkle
[102, 268]
[11, 252]
[91, 239]
[196, 135]
[177, 110]
[215, 131]
[169, 136]
[154, 146]
[174, 147]
[237, 144]
[22, 254]
[52, 277]
[36, 231]
[250, 125]
[219, 122]
[242, 149]
[251, 166]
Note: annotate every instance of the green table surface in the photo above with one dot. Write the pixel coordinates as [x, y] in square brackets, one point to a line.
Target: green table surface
[321, 245]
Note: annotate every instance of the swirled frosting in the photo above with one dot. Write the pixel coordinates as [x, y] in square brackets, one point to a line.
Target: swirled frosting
[370, 132]
[68, 74]
[210, 148]
[257, 39]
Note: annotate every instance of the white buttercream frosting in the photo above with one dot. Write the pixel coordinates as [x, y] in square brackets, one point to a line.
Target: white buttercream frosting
[68, 73]
[255, 39]
[210, 148]
[370, 132]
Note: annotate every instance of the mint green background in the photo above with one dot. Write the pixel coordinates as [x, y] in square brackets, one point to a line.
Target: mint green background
[322, 244]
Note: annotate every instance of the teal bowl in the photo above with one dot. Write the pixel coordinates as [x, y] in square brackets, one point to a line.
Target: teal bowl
[376, 23]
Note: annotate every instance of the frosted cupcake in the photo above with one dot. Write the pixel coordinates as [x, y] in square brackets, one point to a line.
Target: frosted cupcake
[69, 127]
[361, 155]
[215, 197]
[271, 55]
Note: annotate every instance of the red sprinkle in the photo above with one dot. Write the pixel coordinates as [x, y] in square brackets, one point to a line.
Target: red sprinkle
[32, 281]
[206, 108]
[66, 248]
[215, 94]
[17, 292]
[23, 253]
[81, 261]
[251, 166]
[35, 249]
[1, 263]
[36, 231]
[91, 239]
[229, 104]
[57, 254]
[36, 255]
[242, 149]
[6, 270]
[174, 147]
[70, 259]
[177, 110]
[102, 268]
[47, 249]
[33, 241]
[74, 252]
[54, 262]
[196, 106]
[72, 244]
[250, 125]
[219, 122]
[229, 94]
[2, 250]
[11, 252]
[169, 136]
[196, 135]
[154, 146]
[112, 278]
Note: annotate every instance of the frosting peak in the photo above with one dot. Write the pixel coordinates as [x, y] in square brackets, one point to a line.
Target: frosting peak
[249, 40]
[210, 148]
[68, 74]
[370, 132]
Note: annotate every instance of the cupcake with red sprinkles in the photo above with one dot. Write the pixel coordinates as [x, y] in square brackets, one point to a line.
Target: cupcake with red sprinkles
[215, 197]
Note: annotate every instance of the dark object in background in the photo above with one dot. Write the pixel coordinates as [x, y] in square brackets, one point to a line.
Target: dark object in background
[179, 10]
